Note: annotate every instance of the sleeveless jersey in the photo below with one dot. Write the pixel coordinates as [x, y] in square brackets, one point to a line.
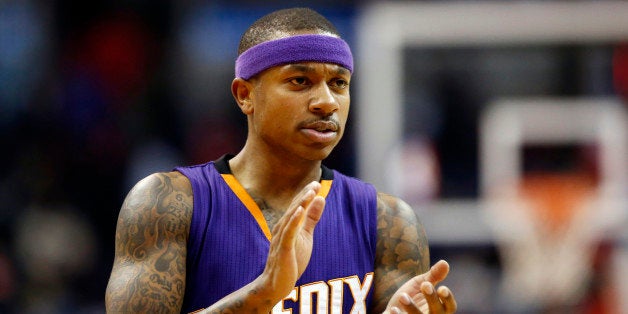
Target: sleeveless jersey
[229, 241]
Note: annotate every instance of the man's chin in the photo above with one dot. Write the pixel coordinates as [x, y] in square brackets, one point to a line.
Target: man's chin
[321, 154]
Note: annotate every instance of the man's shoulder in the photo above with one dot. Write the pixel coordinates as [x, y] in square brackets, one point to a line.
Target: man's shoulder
[156, 195]
[393, 206]
[172, 181]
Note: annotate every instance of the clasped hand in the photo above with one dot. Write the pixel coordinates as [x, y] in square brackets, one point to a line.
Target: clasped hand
[419, 294]
[291, 249]
[292, 241]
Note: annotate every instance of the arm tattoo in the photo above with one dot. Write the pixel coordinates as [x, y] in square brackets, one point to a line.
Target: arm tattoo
[151, 238]
[402, 249]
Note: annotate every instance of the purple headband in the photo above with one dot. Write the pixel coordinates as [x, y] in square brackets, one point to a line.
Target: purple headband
[311, 47]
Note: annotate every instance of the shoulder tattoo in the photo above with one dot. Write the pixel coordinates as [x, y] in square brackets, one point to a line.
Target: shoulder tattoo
[402, 249]
[151, 240]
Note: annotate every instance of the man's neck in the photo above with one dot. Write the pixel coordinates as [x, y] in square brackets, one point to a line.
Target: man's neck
[273, 175]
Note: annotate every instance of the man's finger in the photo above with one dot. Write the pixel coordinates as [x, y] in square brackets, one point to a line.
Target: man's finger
[292, 227]
[281, 223]
[304, 197]
[408, 305]
[438, 272]
[433, 302]
[314, 212]
[301, 200]
[448, 300]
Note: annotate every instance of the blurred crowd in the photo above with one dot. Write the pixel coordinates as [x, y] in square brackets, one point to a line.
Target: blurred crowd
[93, 97]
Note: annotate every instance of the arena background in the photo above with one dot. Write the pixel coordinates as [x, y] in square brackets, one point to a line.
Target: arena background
[96, 95]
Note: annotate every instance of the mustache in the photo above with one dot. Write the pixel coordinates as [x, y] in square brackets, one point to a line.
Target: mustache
[327, 123]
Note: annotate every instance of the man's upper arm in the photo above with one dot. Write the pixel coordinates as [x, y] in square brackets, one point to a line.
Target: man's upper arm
[402, 250]
[151, 245]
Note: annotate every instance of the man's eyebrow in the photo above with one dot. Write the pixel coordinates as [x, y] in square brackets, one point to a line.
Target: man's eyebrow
[342, 71]
[301, 68]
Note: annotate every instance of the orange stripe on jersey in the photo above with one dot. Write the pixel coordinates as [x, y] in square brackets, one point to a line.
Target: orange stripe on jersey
[325, 187]
[250, 204]
[248, 201]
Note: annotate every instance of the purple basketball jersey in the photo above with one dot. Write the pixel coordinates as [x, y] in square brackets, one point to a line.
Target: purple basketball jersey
[229, 241]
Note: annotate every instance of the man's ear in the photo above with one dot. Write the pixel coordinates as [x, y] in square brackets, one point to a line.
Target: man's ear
[242, 91]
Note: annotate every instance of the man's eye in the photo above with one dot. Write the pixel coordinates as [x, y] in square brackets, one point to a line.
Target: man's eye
[298, 81]
[340, 84]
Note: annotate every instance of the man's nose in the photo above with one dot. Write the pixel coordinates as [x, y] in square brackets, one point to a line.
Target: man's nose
[323, 101]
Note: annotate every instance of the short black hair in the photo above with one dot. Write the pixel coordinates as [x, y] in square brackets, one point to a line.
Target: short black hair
[289, 21]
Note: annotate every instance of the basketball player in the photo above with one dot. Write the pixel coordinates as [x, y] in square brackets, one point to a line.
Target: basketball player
[271, 229]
